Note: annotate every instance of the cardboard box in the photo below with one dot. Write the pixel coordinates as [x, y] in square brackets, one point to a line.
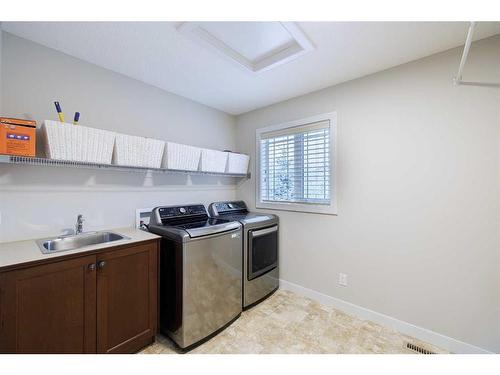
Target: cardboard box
[17, 137]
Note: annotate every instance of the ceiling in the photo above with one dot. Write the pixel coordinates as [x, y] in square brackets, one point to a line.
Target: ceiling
[158, 54]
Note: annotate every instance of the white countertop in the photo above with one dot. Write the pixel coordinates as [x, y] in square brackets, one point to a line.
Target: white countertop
[18, 252]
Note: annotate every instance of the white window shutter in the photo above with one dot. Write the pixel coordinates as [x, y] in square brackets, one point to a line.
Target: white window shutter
[295, 164]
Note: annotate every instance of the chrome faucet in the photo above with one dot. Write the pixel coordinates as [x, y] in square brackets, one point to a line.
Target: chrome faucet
[79, 224]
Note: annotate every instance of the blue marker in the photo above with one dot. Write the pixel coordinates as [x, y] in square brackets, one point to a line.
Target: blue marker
[59, 111]
[76, 118]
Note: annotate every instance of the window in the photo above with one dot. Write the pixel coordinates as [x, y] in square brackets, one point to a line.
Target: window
[295, 165]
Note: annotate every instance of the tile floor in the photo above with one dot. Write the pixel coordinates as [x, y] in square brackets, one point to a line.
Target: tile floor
[289, 323]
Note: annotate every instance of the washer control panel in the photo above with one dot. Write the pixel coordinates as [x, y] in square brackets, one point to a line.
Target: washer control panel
[174, 212]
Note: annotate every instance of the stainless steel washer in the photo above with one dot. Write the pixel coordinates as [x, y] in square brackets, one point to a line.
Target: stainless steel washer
[260, 249]
[200, 272]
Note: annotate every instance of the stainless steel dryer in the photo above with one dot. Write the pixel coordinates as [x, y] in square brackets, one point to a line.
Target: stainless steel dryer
[200, 272]
[260, 249]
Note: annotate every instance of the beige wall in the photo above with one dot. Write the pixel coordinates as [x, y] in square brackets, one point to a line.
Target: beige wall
[38, 202]
[418, 195]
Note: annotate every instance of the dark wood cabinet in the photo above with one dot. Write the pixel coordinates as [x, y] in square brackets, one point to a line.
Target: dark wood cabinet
[105, 303]
[49, 308]
[126, 299]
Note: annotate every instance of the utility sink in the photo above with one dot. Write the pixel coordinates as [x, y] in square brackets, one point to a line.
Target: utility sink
[64, 243]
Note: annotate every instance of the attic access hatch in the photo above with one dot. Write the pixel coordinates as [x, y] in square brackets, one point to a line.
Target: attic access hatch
[257, 46]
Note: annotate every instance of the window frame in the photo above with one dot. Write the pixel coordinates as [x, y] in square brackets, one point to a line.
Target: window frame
[326, 209]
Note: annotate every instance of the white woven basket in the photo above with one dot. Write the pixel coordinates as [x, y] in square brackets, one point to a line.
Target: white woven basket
[181, 157]
[138, 151]
[65, 141]
[213, 161]
[237, 163]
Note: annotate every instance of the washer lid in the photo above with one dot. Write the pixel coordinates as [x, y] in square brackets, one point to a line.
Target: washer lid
[207, 227]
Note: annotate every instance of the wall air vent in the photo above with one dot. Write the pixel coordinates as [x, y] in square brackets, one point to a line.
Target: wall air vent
[256, 46]
[418, 349]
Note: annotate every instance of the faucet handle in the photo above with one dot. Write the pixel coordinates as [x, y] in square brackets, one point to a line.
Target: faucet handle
[79, 224]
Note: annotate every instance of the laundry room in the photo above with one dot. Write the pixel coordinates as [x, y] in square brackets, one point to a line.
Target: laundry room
[249, 186]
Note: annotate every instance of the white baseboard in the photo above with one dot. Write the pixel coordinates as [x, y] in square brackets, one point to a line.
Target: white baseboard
[442, 341]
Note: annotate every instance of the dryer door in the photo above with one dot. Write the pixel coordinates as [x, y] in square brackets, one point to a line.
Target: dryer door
[262, 251]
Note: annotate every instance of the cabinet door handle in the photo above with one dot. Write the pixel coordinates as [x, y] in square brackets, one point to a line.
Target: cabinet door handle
[101, 264]
[91, 267]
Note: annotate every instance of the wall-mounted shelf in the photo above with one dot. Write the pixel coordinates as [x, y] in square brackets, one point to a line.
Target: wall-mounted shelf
[42, 162]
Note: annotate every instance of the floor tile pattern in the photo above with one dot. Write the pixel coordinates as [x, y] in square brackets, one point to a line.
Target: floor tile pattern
[289, 323]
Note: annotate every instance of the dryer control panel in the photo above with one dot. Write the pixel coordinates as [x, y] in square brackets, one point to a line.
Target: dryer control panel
[219, 208]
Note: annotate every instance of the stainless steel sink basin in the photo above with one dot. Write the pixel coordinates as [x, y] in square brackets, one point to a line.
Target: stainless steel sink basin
[63, 243]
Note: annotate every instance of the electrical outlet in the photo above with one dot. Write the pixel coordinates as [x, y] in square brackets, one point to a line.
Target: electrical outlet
[342, 279]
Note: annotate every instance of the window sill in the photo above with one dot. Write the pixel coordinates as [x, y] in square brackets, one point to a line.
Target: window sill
[299, 207]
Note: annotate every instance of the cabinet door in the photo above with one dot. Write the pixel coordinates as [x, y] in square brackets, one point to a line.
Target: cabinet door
[126, 299]
[49, 308]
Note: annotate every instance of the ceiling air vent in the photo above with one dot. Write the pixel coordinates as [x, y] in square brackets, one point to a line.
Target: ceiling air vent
[418, 349]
